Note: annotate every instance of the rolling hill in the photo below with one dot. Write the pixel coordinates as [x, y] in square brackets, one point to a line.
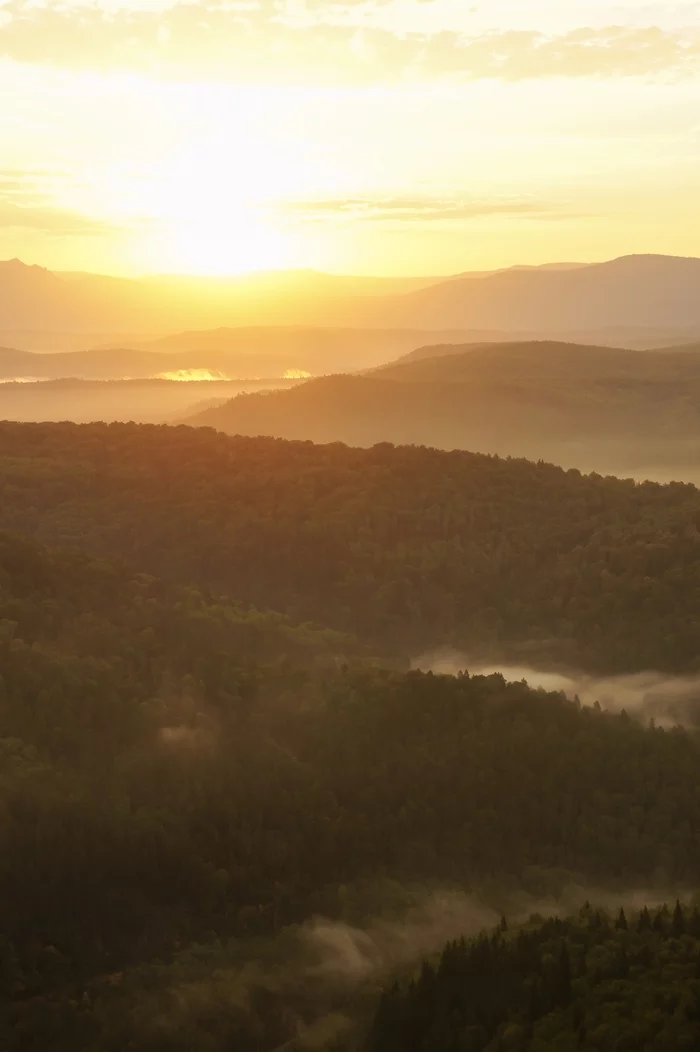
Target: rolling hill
[541, 361]
[218, 822]
[595, 408]
[407, 548]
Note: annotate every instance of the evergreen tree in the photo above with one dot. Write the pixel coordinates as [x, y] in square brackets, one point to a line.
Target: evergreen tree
[644, 922]
[678, 921]
[563, 985]
[694, 923]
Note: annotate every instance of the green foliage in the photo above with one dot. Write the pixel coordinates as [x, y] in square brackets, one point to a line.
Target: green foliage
[173, 769]
[182, 774]
[560, 986]
[408, 548]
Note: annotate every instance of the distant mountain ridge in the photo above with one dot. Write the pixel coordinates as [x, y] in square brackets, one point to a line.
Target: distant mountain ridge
[33, 297]
[661, 293]
[645, 291]
[245, 353]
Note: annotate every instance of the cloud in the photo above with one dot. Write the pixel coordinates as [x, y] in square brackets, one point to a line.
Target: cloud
[25, 186]
[409, 209]
[264, 42]
[614, 51]
[57, 222]
[30, 200]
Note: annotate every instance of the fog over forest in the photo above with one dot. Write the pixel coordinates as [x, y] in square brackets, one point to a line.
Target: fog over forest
[349, 526]
[350, 671]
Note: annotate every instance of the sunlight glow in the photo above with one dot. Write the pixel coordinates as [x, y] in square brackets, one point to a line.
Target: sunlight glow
[211, 204]
[147, 136]
[193, 376]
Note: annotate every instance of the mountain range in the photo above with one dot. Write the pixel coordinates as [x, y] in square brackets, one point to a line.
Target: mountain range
[643, 291]
[633, 298]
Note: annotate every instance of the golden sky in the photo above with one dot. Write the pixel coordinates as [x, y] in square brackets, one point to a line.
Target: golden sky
[367, 136]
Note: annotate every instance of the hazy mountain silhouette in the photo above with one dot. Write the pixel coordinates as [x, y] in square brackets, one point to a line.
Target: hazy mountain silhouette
[316, 350]
[594, 407]
[541, 362]
[140, 400]
[237, 353]
[641, 291]
[521, 266]
[634, 292]
[34, 298]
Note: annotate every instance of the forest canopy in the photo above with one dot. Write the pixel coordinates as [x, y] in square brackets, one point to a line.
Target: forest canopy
[408, 548]
[179, 771]
[594, 981]
[210, 736]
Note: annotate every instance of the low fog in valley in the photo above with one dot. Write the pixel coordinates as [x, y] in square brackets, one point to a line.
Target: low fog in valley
[349, 526]
[358, 711]
[646, 695]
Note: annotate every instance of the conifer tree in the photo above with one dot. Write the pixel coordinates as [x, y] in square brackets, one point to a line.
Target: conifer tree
[678, 921]
[644, 922]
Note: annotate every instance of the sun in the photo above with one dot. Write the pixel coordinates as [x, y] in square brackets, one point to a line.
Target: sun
[224, 194]
[221, 243]
[215, 205]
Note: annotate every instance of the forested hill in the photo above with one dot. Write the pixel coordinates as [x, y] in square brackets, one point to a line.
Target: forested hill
[602, 408]
[543, 360]
[409, 548]
[181, 779]
[599, 982]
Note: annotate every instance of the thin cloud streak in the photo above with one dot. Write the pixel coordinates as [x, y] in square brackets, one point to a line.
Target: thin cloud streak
[55, 222]
[411, 209]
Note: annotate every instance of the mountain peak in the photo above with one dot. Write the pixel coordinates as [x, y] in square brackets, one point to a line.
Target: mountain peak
[647, 259]
[18, 266]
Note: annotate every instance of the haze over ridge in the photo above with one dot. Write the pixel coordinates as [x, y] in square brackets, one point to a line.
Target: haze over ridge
[657, 292]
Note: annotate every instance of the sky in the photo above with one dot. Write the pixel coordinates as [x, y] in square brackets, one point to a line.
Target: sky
[357, 136]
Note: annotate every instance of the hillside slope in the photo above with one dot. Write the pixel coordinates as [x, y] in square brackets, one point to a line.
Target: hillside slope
[543, 360]
[186, 784]
[409, 548]
[594, 408]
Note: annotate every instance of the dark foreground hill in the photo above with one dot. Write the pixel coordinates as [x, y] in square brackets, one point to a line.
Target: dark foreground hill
[185, 782]
[409, 548]
[599, 408]
[223, 826]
